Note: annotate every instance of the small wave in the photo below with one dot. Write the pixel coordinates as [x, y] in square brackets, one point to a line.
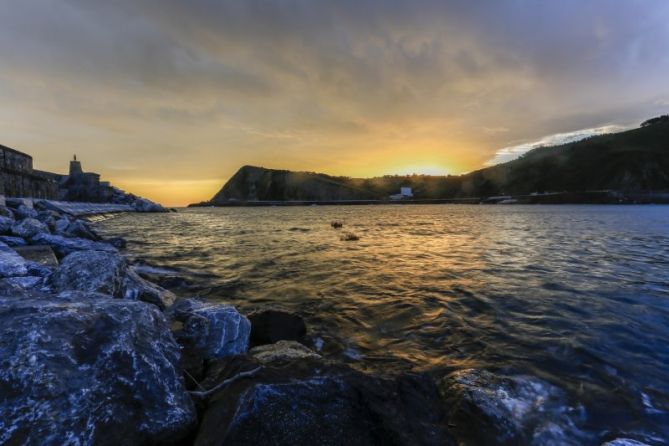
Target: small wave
[297, 229]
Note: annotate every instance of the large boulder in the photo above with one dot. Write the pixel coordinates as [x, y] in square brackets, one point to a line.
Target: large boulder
[99, 371]
[216, 330]
[487, 408]
[93, 271]
[308, 401]
[270, 326]
[63, 246]
[24, 211]
[11, 264]
[29, 227]
[6, 224]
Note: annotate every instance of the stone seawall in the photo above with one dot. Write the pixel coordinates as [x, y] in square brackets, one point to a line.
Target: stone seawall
[19, 179]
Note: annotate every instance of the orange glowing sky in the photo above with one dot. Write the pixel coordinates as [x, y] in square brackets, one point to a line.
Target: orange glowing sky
[167, 99]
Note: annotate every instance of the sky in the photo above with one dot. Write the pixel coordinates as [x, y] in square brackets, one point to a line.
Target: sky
[168, 98]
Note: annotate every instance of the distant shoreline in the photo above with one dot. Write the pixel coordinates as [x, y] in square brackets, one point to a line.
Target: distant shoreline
[595, 197]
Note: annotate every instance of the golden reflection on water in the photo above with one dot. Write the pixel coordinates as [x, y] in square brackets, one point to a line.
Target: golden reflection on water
[423, 287]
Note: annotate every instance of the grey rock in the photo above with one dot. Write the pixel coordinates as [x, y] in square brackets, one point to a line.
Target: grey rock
[61, 225]
[136, 288]
[63, 246]
[79, 228]
[79, 296]
[6, 224]
[492, 409]
[23, 211]
[281, 351]
[11, 264]
[12, 241]
[41, 254]
[100, 371]
[217, 330]
[29, 227]
[36, 269]
[91, 271]
[309, 401]
[14, 202]
[48, 217]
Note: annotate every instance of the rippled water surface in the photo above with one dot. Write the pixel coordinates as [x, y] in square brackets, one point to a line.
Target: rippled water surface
[577, 296]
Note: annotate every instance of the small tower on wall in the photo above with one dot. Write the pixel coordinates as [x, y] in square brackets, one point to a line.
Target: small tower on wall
[75, 167]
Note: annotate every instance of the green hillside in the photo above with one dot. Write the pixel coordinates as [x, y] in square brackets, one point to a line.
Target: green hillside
[632, 161]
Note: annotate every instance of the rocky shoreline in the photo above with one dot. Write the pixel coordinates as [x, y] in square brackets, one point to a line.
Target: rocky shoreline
[94, 353]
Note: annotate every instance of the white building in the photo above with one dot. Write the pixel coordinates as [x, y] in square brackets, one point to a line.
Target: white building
[405, 192]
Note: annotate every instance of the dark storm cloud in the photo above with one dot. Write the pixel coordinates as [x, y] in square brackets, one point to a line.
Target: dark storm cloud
[335, 77]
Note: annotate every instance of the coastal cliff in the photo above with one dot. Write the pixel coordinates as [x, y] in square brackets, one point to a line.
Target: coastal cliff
[260, 184]
[633, 162]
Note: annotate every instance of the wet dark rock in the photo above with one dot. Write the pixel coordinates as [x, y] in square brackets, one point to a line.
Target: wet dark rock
[6, 212]
[79, 228]
[309, 401]
[47, 215]
[6, 224]
[60, 226]
[22, 283]
[216, 330]
[63, 246]
[166, 278]
[28, 228]
[491, 409]
[24, 211]
[12, 241]
[94, 271]
[41, 254]
[11, 264]
[136, 288]
[349, 237]
[100, 371]
[36, 269]
[14, 202]
[117, 242]
[269, 326]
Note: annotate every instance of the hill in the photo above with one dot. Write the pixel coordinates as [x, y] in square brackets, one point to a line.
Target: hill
[635, 161]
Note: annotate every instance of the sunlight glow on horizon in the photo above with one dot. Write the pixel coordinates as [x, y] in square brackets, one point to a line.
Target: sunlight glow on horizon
[168, 99]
